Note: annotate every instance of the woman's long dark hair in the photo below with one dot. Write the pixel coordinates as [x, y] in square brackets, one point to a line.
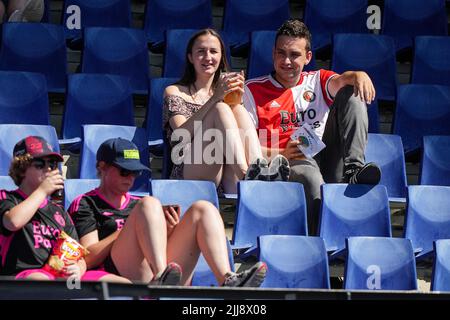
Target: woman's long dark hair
[189, 75]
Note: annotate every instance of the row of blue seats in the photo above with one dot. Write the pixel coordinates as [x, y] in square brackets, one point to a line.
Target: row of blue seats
[402, 19]
[271, 223]
[384, 149]
[41, 48]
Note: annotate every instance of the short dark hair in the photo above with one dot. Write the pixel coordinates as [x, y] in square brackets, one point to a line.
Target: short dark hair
[189, 75]
[297, 29]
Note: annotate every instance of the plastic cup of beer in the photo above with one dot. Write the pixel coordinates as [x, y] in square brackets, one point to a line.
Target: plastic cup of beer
[235, 97]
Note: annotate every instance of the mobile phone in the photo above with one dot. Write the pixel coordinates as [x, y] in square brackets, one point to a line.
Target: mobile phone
[175, 206]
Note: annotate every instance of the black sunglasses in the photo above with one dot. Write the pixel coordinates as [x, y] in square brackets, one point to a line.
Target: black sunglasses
[125, 173]
[41, 164]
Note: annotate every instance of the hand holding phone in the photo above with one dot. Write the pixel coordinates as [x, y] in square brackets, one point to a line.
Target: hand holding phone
[172, 213]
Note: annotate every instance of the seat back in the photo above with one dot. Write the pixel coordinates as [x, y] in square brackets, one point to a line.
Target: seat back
[278, 208]
[376, 263]
[440, 278]
[435, 165]
[294, 262]
[7, 183]
[76, 187]
[353, 210]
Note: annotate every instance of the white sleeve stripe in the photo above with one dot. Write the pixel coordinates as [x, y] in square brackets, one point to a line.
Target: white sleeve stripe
[329, 96]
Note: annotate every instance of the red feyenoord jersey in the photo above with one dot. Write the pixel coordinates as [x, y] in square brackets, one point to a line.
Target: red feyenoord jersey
[278, 111]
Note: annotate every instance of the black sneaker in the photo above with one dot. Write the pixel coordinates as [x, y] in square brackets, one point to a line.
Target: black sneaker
[279, 169]
[171, 276]
[257, 170]
[252, 277]
[368, 174]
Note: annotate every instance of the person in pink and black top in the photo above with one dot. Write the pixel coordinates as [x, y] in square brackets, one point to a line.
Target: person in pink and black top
[139, 239]
[30, 223]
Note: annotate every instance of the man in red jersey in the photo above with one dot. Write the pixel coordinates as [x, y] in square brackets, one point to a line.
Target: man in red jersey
[333, 105]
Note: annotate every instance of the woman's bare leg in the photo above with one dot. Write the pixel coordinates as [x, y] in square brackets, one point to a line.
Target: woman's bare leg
[200, 230]
[139, 252]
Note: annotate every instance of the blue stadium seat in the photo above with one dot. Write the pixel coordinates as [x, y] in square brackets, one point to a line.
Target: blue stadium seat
[154, 115]
[279, 208]
[94, 135]
[440, 279]
[324, 18]
[373, 54]
[23, 98]
[96, 99]
[175, 51]
[427, 217]
[94, 13]
[162, 15]
[405, 19]
[75, 187]
[431, 64]
[240, 18]
[185, 193]
[386, 151]
[260, 60]
[7, 183]
[421, 110]
[435, 165]
[376, 263]
[35, 47]
[294, 262]
[121, 51]
[374, 117]
[10, 134]
[352, 210]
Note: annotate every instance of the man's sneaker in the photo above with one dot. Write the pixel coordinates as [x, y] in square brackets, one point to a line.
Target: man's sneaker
[252, 277]
[368, 174]
[279, 168]
[257, 170]
[171, 276]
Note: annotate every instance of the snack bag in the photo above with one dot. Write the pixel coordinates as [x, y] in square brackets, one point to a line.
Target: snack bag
[310, 143]
[65, 250]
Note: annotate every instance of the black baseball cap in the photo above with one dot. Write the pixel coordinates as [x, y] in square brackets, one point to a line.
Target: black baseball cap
[36, 147]
[122, 153]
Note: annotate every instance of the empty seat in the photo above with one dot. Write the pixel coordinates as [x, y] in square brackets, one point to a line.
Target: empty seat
[324, 18]
[294, 262]
[79, 14]
[374, 117]
[435, 166]
[373, 54]
[240, 18]
[7, 183]
[427, 217]
[163, 15]
[175, 51]
[431, 64]
[376, 263]
[440, 279]
[260, 59]
[96, 99]
[76, 187]
[352, 210]
[23, 98]
[10, 134]
[278, 208]
[421, 110]
[386, 151]
[94, 135]
[121, 51]
[35, 47]
[406, 19]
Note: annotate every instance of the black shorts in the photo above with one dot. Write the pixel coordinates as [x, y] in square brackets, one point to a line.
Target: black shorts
[109, 265]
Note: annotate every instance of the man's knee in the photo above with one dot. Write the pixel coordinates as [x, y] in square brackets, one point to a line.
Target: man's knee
[345, 98]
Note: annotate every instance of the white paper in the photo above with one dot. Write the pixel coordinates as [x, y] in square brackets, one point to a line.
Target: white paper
[310, 143]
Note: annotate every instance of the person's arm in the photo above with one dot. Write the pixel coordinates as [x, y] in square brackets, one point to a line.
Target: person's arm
[98, 250]
[361, 82]
[16, 218]
[179, 121]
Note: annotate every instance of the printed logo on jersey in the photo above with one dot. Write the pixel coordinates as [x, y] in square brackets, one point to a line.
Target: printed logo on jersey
[131, 154]
[275, 104]
[59, 218]
[107, 214]
[309, 96]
